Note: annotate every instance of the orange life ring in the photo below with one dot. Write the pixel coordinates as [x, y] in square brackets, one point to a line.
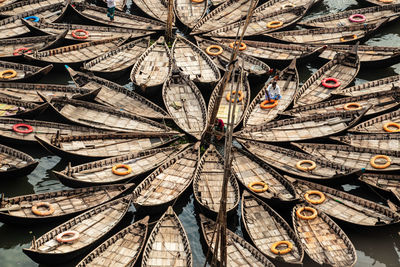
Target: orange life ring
[74, 235]
[352, 106]
[74, 34]
[380, 166]
[219, 52]
[314, 192]
[12, 73]
[197, 1]
[274, 24]
[386, 1]
[228, 96]
[17, 128]
[242, 46]
[306, 169]
[304, 217]
[391, 124]
[264, 105]
[49, 211]
[122, 166]
[258, 190]
[281, 251]
[346, 38]
[330, 85]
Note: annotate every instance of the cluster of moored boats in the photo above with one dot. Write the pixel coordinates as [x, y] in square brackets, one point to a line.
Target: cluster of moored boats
[320, 132]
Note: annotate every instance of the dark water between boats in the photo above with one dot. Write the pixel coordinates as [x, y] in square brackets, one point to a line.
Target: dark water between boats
[375, 246]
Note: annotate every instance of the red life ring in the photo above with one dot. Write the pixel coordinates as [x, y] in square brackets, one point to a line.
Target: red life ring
[74, 34]
[16, 128]
[22, 50]
[330, 85]
[359, 18]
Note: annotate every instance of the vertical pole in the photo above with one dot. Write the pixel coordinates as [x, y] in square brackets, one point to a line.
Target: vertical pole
[170, 20]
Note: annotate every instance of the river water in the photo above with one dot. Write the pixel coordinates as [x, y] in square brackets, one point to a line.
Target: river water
[375, 246]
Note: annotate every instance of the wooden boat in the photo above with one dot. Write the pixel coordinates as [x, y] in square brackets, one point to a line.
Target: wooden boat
[26, 209]
[123, 247]
[288, 83]
[119, 60]
[285, 160]
[76, 54]
[103, 117]
[275, 5]
[250, 64]
[194, 62]
[239, 82]
[189, 12]
[101, 172]
[239, 252]
[120, 5]
[13, 108]
[87, 229]
[91, 147]
[386, 141]
[116, 96]
[346, 207]
[303, 128]
[266, 227]
[208, 181]
[377, 2]
[385, 182]
[322, 239]
[227, 13]
[15, 163]
[96, 15]
[157, 9]
[341, 70]
[185, 103]
[23, 72]
[249, 169]
[369, 159]
[153, 67]
[163, 186]
[26, 5]
[374, 14]
[168, 243]
[39, 128]
[343, 35]
[376, 125]
[94, 33]
[7, 2]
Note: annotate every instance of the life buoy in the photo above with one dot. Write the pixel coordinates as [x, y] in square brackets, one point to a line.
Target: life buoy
[258, 190]
[74, 34]
[264, 105]
[242, 46]
[274, 24]
[391, 124]
[12, 74]
[67, 236]
[289, 5]
[358, 18]
[228, 96]
[299, 165]
[211, 53]
[325, 83]
[305, 217]
[22, 50]
[314, 192]
[121, 166]
[197, 1]
[386, 1]
[352, 106]
[380, 166]
[348, 38]
[281, 251]
[17, 128]
[32, 18]
[47, 212]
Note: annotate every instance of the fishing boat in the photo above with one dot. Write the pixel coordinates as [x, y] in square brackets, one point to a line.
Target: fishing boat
[114, 95]
[270, 233]
[257, 113]
[336, 74]
[168, 243]
[386, 141]
[386, 182]
[323, 240]
[369, 159]
[378, 2]
[122, 249]
[15, 163]
[163, 186]
[238, 83]
[153, 67]
[106, 171]
[239, 251]
[7, 2]
[157, 9]
[57, 205]
[190, 12]
[26, 5]
[91, 147]
[208, 181]
[223, 53]
[299, 164]
[76, 236]
[14, 108]
[260, 179]
[345, 207]
[275, 5]
[386, 123]
[194, 62]
[185, 103]
[118, 61]
[17, 72]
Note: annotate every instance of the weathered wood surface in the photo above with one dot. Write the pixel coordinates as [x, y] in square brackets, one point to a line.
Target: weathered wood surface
[122, 249]
[157, 9]
[189, 12]
[353, 157]
[194, 62]
[323, 240]
[265, 227]
[24, 72]
[288, 82]
[91, 226]
[286, 159]
[7, 2]
[386, 182]
[185, 104]
[386, 141]
[275, 5]
[239, 252]
[11, 107]
[26, 5]
[120, 4]
[375, 125]
[168, 244]
[380, 3]
[15, 163]
[348, 207]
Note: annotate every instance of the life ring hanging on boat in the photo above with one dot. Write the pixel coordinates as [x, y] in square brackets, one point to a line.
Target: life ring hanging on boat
[314, 192]
[352, 106]
[348, 38]
[211, 53]
[76, 36]
[274, 24]
[391, 124]
[197, 1]
[358, 18]
[32, 18]
[121, 166]
[380, 166]
[21, 51]
[17, 128]
[67, 236]
[264, 105]
[50, 209]
[299, 165]
[229, 98]
[326, 83]
[258, 190]
[305, 217]
[281, 251]
[289, 5]
[242, 46]
[386, 1]
[11, 74]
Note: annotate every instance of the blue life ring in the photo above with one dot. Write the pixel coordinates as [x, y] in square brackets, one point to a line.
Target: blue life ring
[33, 18]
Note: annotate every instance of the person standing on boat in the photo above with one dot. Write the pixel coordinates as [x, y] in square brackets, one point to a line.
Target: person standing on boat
[273, 91]
[219, 125]
[110, 9]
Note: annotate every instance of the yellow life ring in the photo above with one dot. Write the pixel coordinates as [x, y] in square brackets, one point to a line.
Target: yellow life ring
[289, 5]
[228, 96]
[380, 166]
[274, 24]
[306, 169]
[346, 38]
[258, 190]
[281, 251]
[305, 217]
[12, 73]
[49, 211]
[197, 1]
[391, 124]
[314, 192]
[352, 106]
[118, 166]
[242, 46]
[211, 53]
[264, 105]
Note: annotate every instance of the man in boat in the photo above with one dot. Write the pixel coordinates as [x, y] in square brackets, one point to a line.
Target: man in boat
[219, 127]
[110, 9]
[273, 91]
